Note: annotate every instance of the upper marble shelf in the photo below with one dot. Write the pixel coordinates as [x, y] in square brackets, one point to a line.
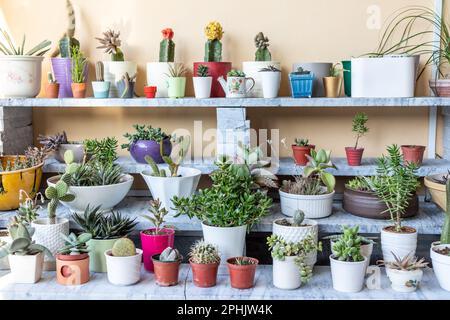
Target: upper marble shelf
[229, 102]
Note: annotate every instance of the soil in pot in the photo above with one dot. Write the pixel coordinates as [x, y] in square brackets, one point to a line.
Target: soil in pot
[413, 154]
[242, 276]
[444, 251]
[300, 154]
[403, 229]
[204, 275]
[166, 273]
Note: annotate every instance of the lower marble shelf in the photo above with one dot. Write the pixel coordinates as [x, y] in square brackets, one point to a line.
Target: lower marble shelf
[319, 288]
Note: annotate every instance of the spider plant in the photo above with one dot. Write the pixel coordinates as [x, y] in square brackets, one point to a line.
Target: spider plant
[8, 48]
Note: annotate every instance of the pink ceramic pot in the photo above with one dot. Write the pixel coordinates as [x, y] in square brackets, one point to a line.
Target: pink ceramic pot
[155, 244]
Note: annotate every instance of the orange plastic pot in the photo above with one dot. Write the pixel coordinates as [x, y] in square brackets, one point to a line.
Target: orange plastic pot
[242, 276]
[300, 153]
[52, 90]
[413, 154]
[79, 90]
[166, 273]
[204, 275]
[72, 270]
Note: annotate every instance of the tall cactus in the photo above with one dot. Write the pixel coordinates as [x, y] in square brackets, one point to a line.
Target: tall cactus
[213, 47]
[445, 235]
[67, 41]
[262, 45]
[99, 71]
[167, 46]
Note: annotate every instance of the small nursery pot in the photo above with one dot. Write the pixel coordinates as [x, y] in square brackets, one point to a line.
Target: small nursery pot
[101, 89]
[354, 156]
[166, 273]
[150, 91]
[242, 276]
[26, 269]
[72, 270]
[332, 86]
[204, 275]
[404, 281]
[142, 148]
[202, 87]
[301, 152]
[52, 90]
[348, 276]
[124, 271]
[155, 244]
[441, 266]
[79, 90]
[97, 248]
[413, 154]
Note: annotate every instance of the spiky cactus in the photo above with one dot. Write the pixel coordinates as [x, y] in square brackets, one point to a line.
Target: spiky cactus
[213, 47]
[167, 46]
[299, 217]
[170, 255]
[111, 43]
[262, 45]
[99, 71]
[204, 253]
[445, 236]
[123, 247]
[67, 41]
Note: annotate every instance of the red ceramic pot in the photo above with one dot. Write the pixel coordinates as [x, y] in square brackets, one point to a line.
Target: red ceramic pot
[354, 156]
[300, 154]
[155, 244]
[413, 154]
[150, 91]
[215, 70]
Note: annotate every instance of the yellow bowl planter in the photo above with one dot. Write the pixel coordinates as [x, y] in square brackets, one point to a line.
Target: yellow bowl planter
[437, 191]
[11, 182]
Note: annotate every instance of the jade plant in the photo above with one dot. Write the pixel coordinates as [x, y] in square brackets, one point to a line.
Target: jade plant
[68, 40]
[167, 46]
[156, 217]
[319, 161]
[262, 45]
[359, 127]
[123, 247]
[111, 43]
[75, 245]
[144, 133]
[10, 49]
[79, 63]
[204, 253]
[348, 246]
[213, 47]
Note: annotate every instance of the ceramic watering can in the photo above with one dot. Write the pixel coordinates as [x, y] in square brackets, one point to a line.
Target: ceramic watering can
[236, 87]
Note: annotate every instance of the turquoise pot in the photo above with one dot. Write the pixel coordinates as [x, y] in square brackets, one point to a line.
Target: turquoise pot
[97, 248]
[101, 89]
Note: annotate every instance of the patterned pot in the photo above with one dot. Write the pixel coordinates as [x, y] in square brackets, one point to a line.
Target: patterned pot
[20, 76]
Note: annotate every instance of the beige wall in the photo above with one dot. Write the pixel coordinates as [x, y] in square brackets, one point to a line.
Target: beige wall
[320, 30]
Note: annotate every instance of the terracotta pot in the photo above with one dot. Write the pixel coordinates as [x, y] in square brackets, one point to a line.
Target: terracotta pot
[354, 156]
[150, 91]
[52, 90]
[215, 70]
[332, 86]
[368, 205]
[72, 270]
[437, 190]
[413, 154]
[204, 275]
[242, 276]
[79, 90]
[300, 154]
[166, 273]
[440, 87]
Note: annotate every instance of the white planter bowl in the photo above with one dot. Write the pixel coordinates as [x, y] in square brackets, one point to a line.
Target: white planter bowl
[441, 266]
[404, 281]
[366, 250]
[202, 87]
[286, 274]
[348, 276]
[113, 72]
[26, 269]
[20, 76]
[251, 70]
[401, 244]
[270, 82]
[107, 197]
[230, 241]
[314, 207]
[124, 271]
[157, 74]
[165, 189]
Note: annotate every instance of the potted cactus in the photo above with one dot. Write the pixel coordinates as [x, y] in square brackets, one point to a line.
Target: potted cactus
[213, 58]
[59, 145]
[176, 81]
[204, 260]
[167, 267]
[242, 272]
[72, 260]
[301, 148]
[333, 83]
[263, 62]
[359, 128]
[52, 87]
[118, 66]
[413, 154]
[100, 87]
[302, 83]
[123, 263]
[177, 181]
[202, 82]
[125, 86]
[79, 65]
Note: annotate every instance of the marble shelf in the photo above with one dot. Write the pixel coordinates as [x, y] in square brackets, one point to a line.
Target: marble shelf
[319, 288]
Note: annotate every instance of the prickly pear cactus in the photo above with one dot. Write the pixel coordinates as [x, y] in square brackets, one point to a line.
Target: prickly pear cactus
[56, 194]
[299, 217]
[123, 248]
[445, 236]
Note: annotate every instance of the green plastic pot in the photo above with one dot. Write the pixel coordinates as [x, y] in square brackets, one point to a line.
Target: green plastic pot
[347, 65]
[97, 248]
[176, 87]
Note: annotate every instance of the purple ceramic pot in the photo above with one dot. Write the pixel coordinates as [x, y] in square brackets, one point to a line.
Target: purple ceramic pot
[62, 69]
[142, 148]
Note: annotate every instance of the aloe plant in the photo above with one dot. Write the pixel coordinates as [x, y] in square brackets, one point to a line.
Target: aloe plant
[10, 49]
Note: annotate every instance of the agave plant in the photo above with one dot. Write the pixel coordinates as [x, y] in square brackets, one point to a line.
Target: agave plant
[10, 49]
[407, 263]
[177, 70]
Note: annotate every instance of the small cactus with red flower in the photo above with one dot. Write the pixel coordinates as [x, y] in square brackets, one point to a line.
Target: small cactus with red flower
[167, 46]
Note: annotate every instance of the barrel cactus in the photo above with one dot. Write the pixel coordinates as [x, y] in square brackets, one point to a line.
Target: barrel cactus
[123, 248]
[167, 46]
[204, 253]
[213, 47]
[262, 45]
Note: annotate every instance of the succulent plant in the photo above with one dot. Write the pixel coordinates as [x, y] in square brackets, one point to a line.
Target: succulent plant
[156, 217]
[53, 142]
[167, 46]
[79, 63]
[262, 45]
[236, 73]
[75, 245]
[51, 78]
[111, 43]
[103, 151]
[348, 246]
[336, 70]
[213, 47]
[300, 142]
[319, 161]
[303, 186]
[204, 253]
[123, 247]
[99, 71]
[127, 81]
[67, 41]
[299, 217]
[406, 263]
[57, 194]
[244, 261]
[170, 255]
[301, 71]
[146, 133]
[176, 71]
[9, 48]
[359, 126]
[28, 209]
[202, 71]
[270, 68]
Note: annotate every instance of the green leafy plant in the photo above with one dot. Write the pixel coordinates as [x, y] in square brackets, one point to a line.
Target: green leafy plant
[123, 247]
[170, 255]
[10, 49]
[300, 142]
[28, 209]
[319, 161]
[75, 245]
[204, 253]
[244, 261]
[236, 73]
[359, 127]
[262, 45]
[167, 46]
[303, 186]
[111, 43]
[336, 69]
[145, 133]
[103, 151]
[361, 184]
[156, 217]
[406, 263]
[79, 63]
[202, 71]
[348, 246]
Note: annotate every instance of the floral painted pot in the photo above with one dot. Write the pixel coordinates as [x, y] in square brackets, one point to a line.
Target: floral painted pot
[20, 76]
[142, 148]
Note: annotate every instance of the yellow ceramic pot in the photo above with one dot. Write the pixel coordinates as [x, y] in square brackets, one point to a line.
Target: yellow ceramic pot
[437, 190]
[332, 86]
[12, 182]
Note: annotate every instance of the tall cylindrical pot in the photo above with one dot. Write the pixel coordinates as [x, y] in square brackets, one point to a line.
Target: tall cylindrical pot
[230, 241]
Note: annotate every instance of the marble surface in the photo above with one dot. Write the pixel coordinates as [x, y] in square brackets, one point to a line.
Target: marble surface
[319, 288]
[428, 221]
[229, 102]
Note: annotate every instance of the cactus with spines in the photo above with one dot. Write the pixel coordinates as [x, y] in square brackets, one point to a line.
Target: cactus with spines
[299, 217]
[67, 41]
[170, 255]
[213, 47]
[123, 247]
[99, 71]
[445, 235]
[167, 46]
[203, 71]
[262, 45]
[204, 253]
[51, 79]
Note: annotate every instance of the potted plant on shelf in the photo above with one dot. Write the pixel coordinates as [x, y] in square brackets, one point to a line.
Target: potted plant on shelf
[204, 260]
[359, 128]
[236, 84]
[213, 58]
[146, 142]
[347, 75]
[52, 87]
[405, 273]
[435, 184]
[100, 87]
[202, 82]
[79, 64]
[301, 83]
[348, 265]
[72, 260]
[263, 62]
[319, 70]
[167, 267]
[333, 83]
[290, 266]
[123, 263]
[25, 256]
[242, 272]
[157, 239]
[301, 148]
[413, 153]
[105, 230]
[59, 144]
[20, 70]
[125, 86]
[227, 209]
[117, 67]
[176, 81]
[314, 191]
[150, 91]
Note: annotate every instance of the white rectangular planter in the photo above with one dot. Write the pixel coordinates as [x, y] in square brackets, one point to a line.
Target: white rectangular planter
[26, 269]
[384, 77]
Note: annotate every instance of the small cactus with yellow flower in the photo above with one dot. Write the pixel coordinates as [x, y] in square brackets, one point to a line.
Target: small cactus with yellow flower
[213, 47]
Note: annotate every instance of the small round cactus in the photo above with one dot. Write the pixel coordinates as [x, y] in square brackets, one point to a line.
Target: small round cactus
[299, 217]
[123, 248]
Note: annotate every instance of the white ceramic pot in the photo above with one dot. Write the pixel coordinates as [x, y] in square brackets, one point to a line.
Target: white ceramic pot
[157, 74]
[107, 197]
[314, 207]
[402, 244]
[389, 76]
[404, 281]
[366, 250]
[320, 70]
[286, 274]
[26, 269]
[230, 241]
[49, 235]
[297, 234]
[202, 87]
[441, 266]
[113, 72]
[166, 188]
[270, 81]
[251, 70]
[4, 262]
[124, 271]
[20, 76]
[348, 276]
